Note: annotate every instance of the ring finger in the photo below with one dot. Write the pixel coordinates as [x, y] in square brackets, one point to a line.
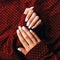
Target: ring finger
[34, 21]
[31, 18]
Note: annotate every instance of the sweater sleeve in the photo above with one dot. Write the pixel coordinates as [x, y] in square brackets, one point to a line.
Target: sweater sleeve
[38, 52]
[41, 52]
[50, 48]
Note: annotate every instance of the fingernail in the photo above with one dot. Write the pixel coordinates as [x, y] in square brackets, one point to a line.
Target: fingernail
[30, 30]
[31, 7]
[19, 27]
[19, 49]
[29, 27]
[17, 31]
[26, 19]
[23, 28]
[32, 27]
[27, 24]
[24, 12]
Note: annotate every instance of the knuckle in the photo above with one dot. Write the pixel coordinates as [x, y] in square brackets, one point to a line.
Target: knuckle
[27, 31]
[23, 41]
[40, 20]
[38, 41]
[37, 17]
[28, 49]
[34, 13]
[32, 46]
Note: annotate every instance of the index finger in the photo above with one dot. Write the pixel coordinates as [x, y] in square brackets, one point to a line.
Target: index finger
[21, 39]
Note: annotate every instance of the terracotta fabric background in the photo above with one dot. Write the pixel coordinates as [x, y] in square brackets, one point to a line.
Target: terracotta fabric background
[11, 16]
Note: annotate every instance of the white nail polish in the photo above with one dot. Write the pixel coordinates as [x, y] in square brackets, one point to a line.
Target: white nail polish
[32, 27]
[27, 24]
[29, 27]
[26, 19]
[23, 28]
[19, 49]
[17, 31]
[19, 27]
[24, 12]
[31, 7]
[30, 30]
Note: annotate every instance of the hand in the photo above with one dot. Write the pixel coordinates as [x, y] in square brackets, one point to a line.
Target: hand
[32, 18]
[27, 38]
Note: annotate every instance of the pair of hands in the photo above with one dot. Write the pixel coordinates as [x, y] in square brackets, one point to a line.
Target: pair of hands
[32, 18]
[27, 37]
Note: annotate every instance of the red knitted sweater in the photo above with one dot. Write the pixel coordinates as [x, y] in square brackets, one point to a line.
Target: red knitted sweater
[11, 15]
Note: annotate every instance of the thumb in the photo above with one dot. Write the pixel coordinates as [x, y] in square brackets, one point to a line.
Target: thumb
[22, 50]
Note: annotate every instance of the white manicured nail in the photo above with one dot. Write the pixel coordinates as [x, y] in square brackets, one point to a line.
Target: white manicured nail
[31, 7]
[32, 27]
[29, 27]
[30, 30]
[17, 30]
[26, 19]
[27, 24]
[23, 28]
[19, 49]
[19, 27]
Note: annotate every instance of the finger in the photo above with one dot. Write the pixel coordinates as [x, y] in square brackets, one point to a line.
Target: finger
[26, 11]
[25, 36]
[28, 15]
[31, 7]
[38, 23]
[31, 18]
[34, 21]
[21, 39]
[37, 38]
[22, 50]
[29, 34]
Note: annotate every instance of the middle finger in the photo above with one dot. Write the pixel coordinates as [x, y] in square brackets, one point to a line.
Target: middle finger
[29, 34]
[29, 14]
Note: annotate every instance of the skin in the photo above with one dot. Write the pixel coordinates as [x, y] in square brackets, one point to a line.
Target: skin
[32, 19]
[27, 38]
